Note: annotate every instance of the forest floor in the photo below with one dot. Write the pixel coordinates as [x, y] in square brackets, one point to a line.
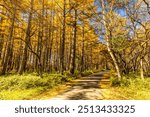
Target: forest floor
[93, 87]
[98, 86]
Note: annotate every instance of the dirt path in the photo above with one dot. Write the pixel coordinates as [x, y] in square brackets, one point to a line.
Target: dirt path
[88, 88]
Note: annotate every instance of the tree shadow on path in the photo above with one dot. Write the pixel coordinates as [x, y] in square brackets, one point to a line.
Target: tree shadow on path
[87, 88]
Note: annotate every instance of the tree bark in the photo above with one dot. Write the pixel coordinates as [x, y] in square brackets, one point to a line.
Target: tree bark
[108, 42]
[62, 44]
[9, 41]
[27, 41]
[74, 44]
[141, 69]
[83, 46]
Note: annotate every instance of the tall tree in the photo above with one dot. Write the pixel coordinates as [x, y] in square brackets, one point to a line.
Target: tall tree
[62, 46]
[27, 40]
[107, 38]
[10, 38]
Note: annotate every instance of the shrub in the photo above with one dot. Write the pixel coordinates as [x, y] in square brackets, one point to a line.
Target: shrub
[123, 82]
[133, 87]
[76, 74]
[86, 73]
[30, 81]
[67, 73]
[28, 85]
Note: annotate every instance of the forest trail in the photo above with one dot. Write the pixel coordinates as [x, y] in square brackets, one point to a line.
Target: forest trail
[87, 88]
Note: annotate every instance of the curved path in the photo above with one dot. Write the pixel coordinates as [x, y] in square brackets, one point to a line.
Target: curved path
[87, 88]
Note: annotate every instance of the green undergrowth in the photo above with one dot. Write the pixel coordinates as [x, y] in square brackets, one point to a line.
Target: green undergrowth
[132, 87]
[16, 87]
[28, 85]
[78, 74]
[87, 72]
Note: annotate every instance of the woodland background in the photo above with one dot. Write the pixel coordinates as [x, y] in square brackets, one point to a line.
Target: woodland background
[61, 39]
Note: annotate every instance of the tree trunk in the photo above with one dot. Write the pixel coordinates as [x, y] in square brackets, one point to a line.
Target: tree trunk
[9, 42]
[74, 44]
[83, 46]
[108, 42]
[1, 38]
[27, 42]
[62, 44]
[141, 69]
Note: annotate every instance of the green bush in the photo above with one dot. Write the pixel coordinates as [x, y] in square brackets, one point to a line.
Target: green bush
[86, 73]
[67, 73]
[123, 82]
[115, 81]
[140, 84]
[28, 85]
[30, 81]
[76, 74]
[133, 87]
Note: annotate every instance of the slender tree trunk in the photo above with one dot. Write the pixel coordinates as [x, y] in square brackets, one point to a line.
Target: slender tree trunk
[74, 44]
[108, 42]
[70, 51]
[39, 51]
[62, 44]
[52, 40]
[27, 42]
[149, 57]
[46, 48]
[1, 39]
[9, 41]
[141, 69]
[40, 42]
[83, 44]
[1, 45]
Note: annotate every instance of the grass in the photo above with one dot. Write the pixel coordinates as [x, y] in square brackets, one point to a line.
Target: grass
[130, 87]
[19, 94]
[30, 86]
[87, 72]
[16, 87]
[56, 90]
